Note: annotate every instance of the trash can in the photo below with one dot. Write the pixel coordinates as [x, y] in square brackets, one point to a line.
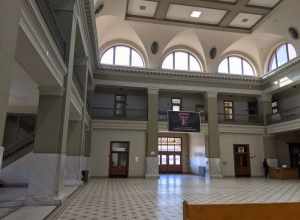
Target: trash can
[85, 176]
[202, 171]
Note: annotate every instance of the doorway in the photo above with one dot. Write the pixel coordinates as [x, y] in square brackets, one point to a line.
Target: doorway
[119, 159]
[170, 154]
[295, 155]
[242, 160]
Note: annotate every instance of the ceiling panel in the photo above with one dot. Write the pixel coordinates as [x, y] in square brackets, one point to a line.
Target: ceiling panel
[182, 13]
[142, 8]
[264, 3]
[244, 20]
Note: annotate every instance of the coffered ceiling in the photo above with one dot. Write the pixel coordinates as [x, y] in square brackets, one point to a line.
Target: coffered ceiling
[228, 15]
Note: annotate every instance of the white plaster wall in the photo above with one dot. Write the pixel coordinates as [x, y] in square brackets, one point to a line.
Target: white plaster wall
[256, 152]
[99, 160]
[197, 152]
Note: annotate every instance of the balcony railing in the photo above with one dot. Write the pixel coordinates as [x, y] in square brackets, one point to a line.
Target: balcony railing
[252, 119]
[109, 114]
[163, 116]
[284, 115]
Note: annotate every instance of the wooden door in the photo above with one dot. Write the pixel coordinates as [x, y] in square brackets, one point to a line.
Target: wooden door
[119, 159]
[242, 160]
[295, 155]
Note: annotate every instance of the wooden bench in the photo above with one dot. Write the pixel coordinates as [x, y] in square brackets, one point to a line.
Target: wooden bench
[263, 211]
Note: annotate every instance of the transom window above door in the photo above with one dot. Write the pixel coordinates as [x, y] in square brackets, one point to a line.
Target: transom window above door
[122, 56]
[182, 60]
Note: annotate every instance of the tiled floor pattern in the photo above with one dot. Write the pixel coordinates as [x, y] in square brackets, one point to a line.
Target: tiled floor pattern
[129, 199]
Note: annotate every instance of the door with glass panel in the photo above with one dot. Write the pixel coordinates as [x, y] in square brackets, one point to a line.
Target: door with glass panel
[170, 154]
[242, 160]
[119, 159]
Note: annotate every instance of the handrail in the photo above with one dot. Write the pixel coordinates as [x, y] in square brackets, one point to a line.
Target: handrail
[109, 113]
[240, 118]
[16, 147]
[284, 115]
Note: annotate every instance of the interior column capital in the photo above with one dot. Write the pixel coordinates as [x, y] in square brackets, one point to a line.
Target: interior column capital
[153, 90]
[211, 94]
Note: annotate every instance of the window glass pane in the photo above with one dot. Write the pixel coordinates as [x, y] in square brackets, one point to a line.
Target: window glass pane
[248, 70]
[171, 140]
[164, 147]
[181, 61]
[108, 57]
[136, 59]
[228, 104]
[178, 148]
[194, 64]
[273, 65]
[171, 159]
[176, 101]
[122, 56]
[171, 148]
[177, 159]
[175, 108]
[235, 65]
[178, 140]
[223, 67]
[168, 62]
[292, 52]
[282, 56]
[163, 159]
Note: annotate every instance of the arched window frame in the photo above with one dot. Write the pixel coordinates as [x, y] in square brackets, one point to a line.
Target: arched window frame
[274, 55]
[190, 54]
[113, 47]
[242, 58]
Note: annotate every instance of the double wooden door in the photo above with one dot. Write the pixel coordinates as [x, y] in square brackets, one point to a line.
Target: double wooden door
[242, 160]
[119, 159]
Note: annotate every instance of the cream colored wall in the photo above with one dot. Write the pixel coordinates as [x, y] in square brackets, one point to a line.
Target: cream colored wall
[227, 140]
[99, 160]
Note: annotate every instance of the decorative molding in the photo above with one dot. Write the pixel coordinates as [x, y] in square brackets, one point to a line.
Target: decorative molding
[119, 125]
[76, 99]
[53, 90]
[284, 126]
[241, 129]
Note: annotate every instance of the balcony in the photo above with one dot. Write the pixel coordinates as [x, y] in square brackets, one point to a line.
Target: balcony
[284, 115]
[247, 119]
[109, 114]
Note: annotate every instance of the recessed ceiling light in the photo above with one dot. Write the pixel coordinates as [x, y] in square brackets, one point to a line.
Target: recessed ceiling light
[196, 14]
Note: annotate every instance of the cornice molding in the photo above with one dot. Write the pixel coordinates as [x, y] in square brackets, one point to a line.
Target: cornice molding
[284, 126]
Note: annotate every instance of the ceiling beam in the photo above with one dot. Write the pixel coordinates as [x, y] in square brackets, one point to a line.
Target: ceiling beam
[162, 9]
[234, 12]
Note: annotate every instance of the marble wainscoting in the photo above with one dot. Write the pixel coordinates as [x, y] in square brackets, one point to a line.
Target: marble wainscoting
[72, 173]
[215, 168]
[44, 185]
[152, 167]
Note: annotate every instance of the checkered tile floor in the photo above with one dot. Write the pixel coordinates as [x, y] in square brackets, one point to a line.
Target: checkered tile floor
[128, 199]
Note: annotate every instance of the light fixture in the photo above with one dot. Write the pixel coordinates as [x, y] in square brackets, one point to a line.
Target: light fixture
[196, 14]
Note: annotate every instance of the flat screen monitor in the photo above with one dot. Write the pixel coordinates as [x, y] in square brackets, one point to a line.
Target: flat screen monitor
[184, 121]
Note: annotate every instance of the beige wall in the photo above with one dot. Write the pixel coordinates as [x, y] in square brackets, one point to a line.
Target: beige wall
[99, 160]
[256, 146]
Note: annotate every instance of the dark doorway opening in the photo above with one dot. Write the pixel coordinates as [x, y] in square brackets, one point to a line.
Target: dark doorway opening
[295, 156]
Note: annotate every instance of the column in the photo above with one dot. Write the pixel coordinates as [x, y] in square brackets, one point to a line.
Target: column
[213, 138]
[72, 176]
[11, 11]
[1, 157]
[51, 139]
[152, 134]
[269, 141]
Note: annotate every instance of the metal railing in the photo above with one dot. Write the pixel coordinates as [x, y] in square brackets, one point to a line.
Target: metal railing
[284, 115]
[108, 113]
[240, 119]
[50, 19]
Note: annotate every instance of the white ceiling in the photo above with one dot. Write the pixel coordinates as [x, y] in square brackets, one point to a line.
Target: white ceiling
[182, 13]
[244, 20]
[216, 14]
[142, 8]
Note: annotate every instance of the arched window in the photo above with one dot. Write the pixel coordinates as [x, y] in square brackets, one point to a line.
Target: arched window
[236, 65]
[122, 56]
[282, 55]
[181, 60]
